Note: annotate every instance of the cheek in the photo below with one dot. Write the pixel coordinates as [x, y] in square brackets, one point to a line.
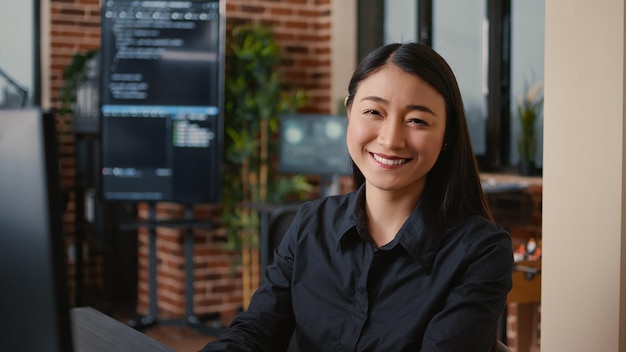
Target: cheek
[429, 148]
[356, 136]
[351, 141]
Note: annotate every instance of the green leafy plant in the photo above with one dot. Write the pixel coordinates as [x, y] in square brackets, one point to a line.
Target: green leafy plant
[255, 96]
[73, 74]
[529, 109]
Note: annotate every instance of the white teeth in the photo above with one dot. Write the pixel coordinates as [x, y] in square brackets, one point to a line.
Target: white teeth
[388, 161]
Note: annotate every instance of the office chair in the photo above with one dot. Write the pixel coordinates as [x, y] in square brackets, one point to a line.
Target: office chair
[279, 222]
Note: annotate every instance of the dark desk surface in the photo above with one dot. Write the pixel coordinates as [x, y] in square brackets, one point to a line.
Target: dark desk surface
[94, 331]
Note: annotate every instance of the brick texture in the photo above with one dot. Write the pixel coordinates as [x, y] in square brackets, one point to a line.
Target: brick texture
[303, 29]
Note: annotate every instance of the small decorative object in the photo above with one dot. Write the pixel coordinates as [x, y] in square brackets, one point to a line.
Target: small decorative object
[529, 108]
[531, 246]
[528, 251]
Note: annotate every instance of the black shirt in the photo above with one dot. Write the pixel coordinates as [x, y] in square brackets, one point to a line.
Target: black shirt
[430, 289]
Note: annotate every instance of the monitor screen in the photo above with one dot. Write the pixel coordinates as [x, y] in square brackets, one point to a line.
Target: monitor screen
[313, 144]
[33, 300]
[161, 100]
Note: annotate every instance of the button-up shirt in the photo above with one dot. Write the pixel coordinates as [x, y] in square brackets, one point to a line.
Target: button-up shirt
[432, 288]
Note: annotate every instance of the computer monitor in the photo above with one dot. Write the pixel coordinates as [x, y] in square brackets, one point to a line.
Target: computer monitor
[34, 307]
[313, 144]
[162, 74]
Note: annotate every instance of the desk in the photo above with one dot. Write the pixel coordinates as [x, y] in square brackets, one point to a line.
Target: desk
[526, 285]
[93, 331]
[513, 207]
[526, 294]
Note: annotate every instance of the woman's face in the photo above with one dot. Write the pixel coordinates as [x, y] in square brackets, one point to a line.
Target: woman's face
[396, 128]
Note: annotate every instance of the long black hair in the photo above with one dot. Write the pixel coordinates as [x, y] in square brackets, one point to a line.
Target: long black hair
[452, 186]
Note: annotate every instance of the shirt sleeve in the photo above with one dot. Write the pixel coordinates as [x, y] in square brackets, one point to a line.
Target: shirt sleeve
[469, 318]
[268, 323]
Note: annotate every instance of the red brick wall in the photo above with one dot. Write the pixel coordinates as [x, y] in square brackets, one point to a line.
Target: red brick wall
[217, 277]
[74, 27]
[302, 28]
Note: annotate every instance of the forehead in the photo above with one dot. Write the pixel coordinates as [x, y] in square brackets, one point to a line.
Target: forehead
[392, 83]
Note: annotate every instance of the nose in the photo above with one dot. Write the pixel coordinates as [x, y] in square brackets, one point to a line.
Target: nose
[391, 134]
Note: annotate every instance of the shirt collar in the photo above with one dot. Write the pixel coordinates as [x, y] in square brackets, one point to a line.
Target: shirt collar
[418, 239]
[355, 224]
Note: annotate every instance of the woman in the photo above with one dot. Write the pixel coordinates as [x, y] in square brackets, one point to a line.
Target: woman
[409, 261]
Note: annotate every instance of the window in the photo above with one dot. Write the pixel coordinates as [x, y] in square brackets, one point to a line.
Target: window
[400, 23]
[459, 35]
[527, 42]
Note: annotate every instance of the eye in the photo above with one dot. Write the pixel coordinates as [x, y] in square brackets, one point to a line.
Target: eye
[371, 112]
[417, 122]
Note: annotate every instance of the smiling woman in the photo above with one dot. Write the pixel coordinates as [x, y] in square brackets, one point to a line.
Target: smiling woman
[395, 130]
[396, 126]
[411, 260]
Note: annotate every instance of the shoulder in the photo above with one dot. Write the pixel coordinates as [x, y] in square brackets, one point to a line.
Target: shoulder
[479, 248]
[476, 226]
[476, 234]
[329, 205]
[336, 212]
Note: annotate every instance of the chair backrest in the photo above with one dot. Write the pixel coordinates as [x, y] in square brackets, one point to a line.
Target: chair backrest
[279, 222]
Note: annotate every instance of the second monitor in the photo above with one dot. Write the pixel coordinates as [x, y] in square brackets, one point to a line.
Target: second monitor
[314, 144]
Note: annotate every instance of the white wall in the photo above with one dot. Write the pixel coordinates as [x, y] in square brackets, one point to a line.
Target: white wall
[583, 177]
[16, 44]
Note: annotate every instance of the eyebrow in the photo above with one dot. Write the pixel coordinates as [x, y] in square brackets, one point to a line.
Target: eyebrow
[410, 107]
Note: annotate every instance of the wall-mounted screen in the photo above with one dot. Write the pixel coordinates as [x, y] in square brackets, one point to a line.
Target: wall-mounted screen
[161, 100]
[313, 144]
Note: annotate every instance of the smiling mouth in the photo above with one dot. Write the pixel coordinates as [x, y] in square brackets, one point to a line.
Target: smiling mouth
[390, 162]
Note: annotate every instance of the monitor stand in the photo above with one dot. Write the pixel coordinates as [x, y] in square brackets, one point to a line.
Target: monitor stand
[141, 322]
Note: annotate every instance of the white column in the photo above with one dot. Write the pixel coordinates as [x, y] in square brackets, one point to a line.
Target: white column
[343, 46]
[583, 181]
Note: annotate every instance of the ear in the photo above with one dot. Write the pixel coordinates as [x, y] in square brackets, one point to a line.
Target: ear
[345, 104]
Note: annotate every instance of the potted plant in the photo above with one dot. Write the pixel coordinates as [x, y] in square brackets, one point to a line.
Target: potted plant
[255, 96]
[529, 109]
[73, 75]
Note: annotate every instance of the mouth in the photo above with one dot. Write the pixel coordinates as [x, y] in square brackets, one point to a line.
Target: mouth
[390, 161]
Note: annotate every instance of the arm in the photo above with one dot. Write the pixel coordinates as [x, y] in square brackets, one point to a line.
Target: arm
[268, 323]
[470, 314]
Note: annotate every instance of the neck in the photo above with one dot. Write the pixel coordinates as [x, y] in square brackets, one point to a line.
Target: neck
[387, 212]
